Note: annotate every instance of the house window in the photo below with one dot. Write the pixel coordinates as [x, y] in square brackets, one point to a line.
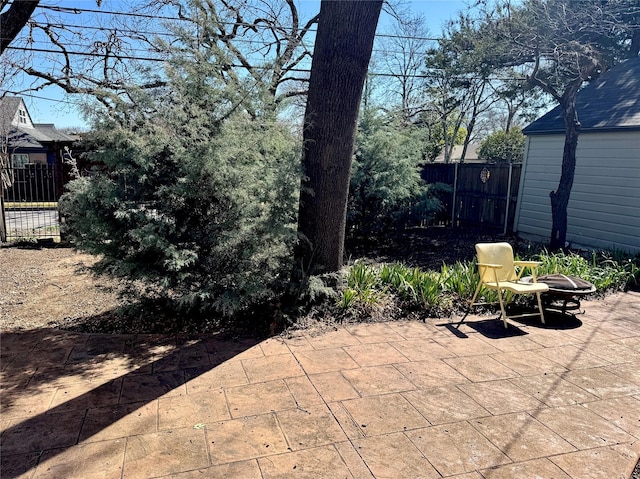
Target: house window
[19, 160]
[22, 116]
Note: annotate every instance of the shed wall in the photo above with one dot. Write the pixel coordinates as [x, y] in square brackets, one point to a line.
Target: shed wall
[604, 207]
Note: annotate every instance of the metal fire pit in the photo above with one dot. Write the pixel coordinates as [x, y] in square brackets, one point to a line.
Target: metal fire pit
[562, 299]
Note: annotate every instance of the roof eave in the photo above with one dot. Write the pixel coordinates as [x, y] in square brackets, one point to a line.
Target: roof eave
[557, 131]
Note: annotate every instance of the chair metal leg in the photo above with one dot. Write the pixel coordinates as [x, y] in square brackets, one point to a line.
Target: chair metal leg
[540, 308]
[457, 326]
[504, 313]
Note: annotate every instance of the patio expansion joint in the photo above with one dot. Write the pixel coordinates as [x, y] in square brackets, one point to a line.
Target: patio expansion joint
[326, 404]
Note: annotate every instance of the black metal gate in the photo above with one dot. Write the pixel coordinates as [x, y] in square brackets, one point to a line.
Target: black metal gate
[30, 203]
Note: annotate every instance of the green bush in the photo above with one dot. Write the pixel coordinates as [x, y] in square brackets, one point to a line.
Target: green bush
[386, 190]
[503, 147]
[194, 200]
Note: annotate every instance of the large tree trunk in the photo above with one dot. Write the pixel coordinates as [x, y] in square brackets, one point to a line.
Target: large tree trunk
[560, 197]
[344, 41]
[12, 21]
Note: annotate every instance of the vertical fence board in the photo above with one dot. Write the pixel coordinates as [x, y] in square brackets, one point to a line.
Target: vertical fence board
[478, 204]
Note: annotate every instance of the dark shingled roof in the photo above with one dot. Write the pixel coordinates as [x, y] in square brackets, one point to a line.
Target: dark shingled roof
[610, 103]
[26, 137]
[8, 107]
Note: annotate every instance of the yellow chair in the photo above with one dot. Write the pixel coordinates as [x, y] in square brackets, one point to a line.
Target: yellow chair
[500, 272]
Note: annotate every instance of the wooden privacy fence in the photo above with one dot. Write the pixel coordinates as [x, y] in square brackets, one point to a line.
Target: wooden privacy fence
[484, 195]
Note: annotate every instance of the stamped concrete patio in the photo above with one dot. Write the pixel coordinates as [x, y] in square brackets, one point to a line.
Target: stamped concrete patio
[380, 400]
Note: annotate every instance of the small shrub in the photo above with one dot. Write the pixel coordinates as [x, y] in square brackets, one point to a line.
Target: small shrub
[363, 287]
[348, 298]
[361, 277]
[429, 290]
[461, 278]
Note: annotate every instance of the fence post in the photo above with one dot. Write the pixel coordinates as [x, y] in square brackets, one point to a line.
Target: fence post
[455, 191]
[506, 210]
[3, 220]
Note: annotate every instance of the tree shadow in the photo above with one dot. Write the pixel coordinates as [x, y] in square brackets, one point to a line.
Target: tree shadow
[51, 379]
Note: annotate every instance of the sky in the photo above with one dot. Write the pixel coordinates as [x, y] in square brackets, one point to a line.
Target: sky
[49, 104]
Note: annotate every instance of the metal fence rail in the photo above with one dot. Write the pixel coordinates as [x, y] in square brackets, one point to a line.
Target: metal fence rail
[30, 204]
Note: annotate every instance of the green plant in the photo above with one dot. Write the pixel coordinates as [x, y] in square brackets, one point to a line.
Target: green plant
[395, 276]
[386, 190]
[196, 193]
[422, 287]
[348, 298]
[605, 270]
[460, 278]
[361, 277]
[503, 147]
[429, 289]
[436, 292]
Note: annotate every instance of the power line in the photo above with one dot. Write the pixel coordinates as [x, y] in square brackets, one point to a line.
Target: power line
[40, 97]
[233, 65]
[77, 11]
[142, 32]
[129, 50]
[105, 29]
[87, 54]
[258, 43]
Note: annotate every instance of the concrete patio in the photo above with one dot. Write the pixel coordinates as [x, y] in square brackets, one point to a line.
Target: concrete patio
[379, 400]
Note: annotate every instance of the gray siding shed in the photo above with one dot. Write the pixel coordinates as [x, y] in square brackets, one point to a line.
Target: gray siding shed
[604, 207]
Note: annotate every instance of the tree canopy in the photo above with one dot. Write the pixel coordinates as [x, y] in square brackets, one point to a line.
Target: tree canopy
[191, 197]
[556, 46]
[503, 147]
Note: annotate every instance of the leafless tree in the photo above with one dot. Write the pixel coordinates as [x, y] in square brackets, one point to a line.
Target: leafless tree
[402, 56]
[106, 53]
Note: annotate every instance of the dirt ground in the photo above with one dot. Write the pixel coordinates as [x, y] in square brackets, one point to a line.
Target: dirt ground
[45, 287]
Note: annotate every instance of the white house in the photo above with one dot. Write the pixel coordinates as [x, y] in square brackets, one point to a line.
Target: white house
[604, 207]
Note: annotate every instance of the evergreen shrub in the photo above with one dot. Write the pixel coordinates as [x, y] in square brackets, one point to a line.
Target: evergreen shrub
[386, 191]
[195, 195]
